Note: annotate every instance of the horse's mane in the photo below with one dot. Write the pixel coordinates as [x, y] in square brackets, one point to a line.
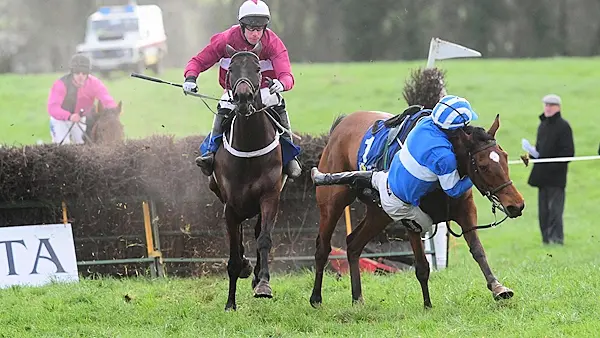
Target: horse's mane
[336, 122]
[480, 135]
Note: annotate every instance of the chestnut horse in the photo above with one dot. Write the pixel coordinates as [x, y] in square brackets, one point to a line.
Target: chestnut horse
[472, 145]
[104, 126]
[247, 175]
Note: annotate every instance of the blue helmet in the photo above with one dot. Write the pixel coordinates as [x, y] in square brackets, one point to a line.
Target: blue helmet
[453, 112]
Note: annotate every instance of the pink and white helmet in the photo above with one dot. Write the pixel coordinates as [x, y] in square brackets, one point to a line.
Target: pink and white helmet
[254, 13]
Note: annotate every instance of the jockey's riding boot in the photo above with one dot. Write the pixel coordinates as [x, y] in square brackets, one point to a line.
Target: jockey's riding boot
[292, 168]
[206, 161]
[359, 179]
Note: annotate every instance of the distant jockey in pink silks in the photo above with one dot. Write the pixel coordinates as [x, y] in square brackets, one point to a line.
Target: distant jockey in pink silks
[253, 17]
[71, 101]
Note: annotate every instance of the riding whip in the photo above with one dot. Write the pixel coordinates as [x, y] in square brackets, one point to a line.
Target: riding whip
[157, 80]
[153, 79]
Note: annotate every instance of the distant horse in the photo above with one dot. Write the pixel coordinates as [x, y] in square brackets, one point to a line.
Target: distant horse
[104, 126]
[473, 147]
[248, 175]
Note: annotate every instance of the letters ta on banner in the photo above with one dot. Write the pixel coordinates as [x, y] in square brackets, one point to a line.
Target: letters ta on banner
[34, 255]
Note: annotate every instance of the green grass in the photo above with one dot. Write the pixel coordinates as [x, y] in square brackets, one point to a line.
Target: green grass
[556, 288]
[557, 292]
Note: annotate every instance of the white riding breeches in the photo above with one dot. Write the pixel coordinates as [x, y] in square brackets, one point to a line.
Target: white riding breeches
[68, 131]
[395, 207]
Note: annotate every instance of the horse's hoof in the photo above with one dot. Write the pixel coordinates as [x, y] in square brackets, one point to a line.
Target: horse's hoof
[316, 301]
[230, 307]
[246, 269]
[427, 305]
[358, 301]
[502, 292]
[263, 290]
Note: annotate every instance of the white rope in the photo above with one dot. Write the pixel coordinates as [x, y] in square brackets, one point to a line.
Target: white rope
[557, 159]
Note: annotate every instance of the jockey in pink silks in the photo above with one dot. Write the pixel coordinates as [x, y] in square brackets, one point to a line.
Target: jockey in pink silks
[71, 101]
[253, 17]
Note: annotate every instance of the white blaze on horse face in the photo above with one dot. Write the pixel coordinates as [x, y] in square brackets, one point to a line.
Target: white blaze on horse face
[495, 157]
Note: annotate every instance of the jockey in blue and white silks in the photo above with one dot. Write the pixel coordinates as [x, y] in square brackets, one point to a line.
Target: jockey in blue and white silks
[427, 157]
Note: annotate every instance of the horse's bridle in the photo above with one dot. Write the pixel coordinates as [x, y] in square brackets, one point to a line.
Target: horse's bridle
[490, 194]
[476, 170]
[253, 88]
[487, 192]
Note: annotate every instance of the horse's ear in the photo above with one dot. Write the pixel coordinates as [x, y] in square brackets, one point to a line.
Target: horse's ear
[100, 107]
[257, 48]
[494, 128]
[230, 50]
[120, 106]
[465, 138]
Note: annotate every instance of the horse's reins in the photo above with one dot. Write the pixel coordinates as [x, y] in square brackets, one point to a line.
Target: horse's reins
[254, 90]
[202, 97]
[490, 194]
[79, 123]
[84, 132]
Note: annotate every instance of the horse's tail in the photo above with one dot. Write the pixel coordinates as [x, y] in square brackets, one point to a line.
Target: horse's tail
[336, 122]
[425, 87]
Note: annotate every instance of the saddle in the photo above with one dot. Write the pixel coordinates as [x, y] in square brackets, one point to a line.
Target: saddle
[434, 203]
[400, 126]
[398, 119]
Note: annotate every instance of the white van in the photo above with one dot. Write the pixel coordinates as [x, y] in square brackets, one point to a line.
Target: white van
[129, 37]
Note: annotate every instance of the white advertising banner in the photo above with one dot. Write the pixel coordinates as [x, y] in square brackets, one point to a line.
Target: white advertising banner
[35, 255]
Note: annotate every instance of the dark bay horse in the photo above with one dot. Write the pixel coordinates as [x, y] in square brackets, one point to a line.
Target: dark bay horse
[473, 147]
[247, 175]
[104, 126]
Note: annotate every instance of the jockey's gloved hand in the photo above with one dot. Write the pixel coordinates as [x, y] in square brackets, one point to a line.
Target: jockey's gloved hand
[75, 118]
[276, 87]
[190, 86]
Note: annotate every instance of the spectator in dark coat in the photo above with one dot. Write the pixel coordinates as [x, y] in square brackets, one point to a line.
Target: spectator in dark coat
[554, 139]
